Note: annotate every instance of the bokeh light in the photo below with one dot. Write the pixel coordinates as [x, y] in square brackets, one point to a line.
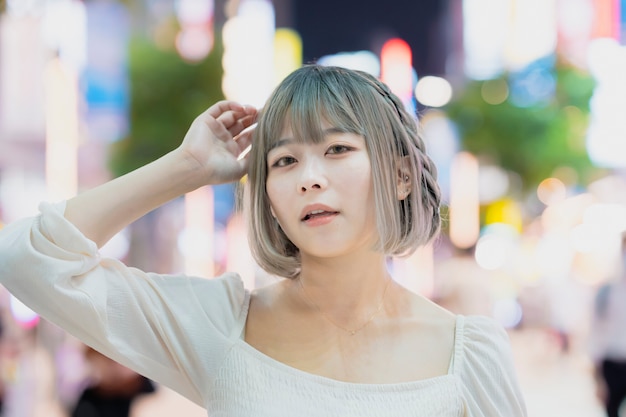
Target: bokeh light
[551, 190]
[433, 91]
[495, 91]
[396, 68]
[496, 246]
[360, 60]
[464, 202]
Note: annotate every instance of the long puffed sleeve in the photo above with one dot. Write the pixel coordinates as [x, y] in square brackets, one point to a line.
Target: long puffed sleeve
[172, 329]
[485, 366]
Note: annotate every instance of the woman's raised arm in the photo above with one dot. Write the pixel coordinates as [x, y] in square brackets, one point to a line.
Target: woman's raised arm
[209, 154]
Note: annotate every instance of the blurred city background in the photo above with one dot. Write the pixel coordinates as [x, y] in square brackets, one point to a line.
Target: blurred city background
[522, 105]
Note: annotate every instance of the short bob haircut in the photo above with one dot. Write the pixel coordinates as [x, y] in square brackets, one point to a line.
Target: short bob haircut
[355, 102]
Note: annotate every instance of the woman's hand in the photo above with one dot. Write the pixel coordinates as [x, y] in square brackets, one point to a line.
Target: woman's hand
[216, 139]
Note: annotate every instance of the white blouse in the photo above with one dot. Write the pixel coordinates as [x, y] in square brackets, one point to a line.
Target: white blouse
[186, 333]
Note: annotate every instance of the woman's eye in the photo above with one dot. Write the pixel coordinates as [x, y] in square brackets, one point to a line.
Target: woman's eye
[284, 161]
[336, 149]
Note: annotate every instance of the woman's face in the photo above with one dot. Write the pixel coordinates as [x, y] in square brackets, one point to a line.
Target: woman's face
[321, 193]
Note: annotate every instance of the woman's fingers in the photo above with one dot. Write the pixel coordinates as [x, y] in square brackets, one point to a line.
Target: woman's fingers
[241, 125]
[231, 119]
[236, 122]
[223, 106]
[244, 140]
[231, 123]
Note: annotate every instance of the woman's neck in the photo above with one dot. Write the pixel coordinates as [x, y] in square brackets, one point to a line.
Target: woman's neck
[342, 287]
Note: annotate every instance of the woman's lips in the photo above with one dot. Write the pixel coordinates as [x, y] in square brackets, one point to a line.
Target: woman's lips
[319, 218]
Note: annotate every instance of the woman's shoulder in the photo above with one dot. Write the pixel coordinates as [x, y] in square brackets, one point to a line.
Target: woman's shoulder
[432, 316]
[480, 341]
[225, 291]
[484, 362]
[223, 299]
[267, 298]
[478, 329]
[470, 337]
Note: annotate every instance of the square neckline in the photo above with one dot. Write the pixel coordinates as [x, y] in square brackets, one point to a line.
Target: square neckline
[455, 358]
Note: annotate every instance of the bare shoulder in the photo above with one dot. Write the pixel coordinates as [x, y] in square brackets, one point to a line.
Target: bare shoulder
[423, 334]
[266, 299]
[424, 312]
[439, 325]
[268, 313]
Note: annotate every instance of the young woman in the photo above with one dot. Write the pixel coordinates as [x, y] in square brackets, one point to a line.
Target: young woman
[338, 182]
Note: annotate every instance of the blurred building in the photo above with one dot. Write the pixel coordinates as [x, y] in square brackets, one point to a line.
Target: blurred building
[329, 27]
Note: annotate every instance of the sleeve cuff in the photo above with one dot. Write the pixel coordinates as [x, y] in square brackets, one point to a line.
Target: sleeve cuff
[62, 232]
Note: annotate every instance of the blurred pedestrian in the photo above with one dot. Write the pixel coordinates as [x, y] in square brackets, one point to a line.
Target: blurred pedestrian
[111, 390]
[608, 340]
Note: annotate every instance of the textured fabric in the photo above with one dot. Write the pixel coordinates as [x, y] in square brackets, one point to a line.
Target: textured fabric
[185, 333]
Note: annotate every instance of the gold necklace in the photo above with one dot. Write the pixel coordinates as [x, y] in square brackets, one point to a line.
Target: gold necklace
[331, 321]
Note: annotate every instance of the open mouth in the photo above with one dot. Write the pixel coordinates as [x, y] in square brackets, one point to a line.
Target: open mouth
[317, 213]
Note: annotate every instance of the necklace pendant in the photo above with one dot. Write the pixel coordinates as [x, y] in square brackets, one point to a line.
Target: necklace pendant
[352, 332]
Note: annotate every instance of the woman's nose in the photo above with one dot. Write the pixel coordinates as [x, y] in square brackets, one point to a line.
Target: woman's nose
[312, 176]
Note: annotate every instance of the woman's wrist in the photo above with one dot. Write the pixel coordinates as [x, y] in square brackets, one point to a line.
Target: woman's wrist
[184, 172]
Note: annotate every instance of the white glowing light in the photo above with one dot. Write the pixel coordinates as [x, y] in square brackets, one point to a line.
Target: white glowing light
[248, 58]
[433, 91]
[485, 28]
[64, 29]
[494, 250]
[532, 34]
[361, 60]
[606, 136]
[506, 34]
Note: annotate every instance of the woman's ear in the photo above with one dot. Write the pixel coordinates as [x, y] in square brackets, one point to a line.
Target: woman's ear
[404, 179]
